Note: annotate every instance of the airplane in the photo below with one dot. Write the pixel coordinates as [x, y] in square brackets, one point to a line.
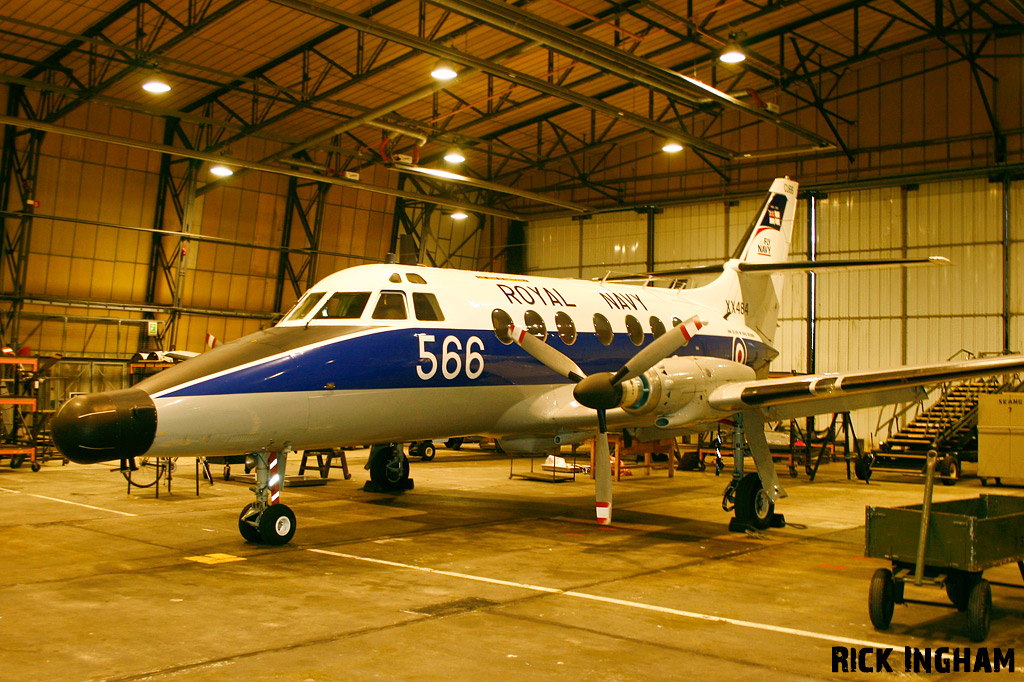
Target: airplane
[390, 354]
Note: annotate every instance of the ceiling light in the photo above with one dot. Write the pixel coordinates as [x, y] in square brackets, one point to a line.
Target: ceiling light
[220, 170]
[732, 53]
[454, 155]
[671, 146]
[459, 215]
[444, 70]
[156, 84]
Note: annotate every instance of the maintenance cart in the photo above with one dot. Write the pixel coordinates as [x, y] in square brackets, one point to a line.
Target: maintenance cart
[946, 544]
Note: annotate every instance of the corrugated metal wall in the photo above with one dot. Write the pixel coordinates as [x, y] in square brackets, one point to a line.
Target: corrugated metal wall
[865, 319]
[93, 181]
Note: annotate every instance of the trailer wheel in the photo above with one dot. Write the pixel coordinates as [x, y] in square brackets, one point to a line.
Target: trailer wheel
[958, 589]
[880, 599]
[979, 611]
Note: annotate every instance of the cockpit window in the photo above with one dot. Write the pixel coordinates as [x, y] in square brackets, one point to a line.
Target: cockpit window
[307, 303]
[396, 278]
[390, 306]
[344, 305]
[414, 278]
[427, 307]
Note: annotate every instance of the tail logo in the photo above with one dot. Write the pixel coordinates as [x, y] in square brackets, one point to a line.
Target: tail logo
[772, 219]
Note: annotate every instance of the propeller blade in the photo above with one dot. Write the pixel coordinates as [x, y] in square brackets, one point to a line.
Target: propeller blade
[554, 360]
[658, 350]
[602, 476]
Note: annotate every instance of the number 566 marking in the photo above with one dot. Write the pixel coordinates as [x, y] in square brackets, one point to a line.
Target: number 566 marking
[451, 363]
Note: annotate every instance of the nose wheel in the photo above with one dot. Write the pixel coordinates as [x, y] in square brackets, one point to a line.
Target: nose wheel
[266, 521]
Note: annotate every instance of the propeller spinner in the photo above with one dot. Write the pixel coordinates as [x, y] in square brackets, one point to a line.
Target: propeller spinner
[603, 391]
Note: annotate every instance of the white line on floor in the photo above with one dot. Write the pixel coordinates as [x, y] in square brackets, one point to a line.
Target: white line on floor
[77, 504]
[834, 639]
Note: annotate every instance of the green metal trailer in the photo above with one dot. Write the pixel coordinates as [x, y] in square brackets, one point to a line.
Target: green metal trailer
[948, 544]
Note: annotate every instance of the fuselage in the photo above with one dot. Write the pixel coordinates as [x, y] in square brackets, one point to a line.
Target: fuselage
[390, 353]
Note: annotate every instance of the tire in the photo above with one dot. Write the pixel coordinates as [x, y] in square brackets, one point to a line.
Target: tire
[427, 451]
[227, 472]
[979, 611]
[36, 466]
[949, 467]
[881, 600]
[248, 531]
[753, 505]
[958, 589]
[389, 468]
[277, 525]
[862, 469]
[454, 443]
[17, 461]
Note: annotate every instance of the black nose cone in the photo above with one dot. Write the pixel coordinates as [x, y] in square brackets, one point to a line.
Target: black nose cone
[102, 426]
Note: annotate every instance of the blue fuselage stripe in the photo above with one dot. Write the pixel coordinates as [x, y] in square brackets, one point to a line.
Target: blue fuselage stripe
[388, 359]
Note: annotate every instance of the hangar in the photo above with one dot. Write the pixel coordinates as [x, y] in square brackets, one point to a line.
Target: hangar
[175, 174]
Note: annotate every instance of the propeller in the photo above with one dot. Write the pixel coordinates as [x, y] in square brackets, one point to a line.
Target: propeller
[603, 391]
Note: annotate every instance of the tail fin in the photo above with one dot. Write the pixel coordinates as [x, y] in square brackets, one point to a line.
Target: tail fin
[751, 294]
[767, 238]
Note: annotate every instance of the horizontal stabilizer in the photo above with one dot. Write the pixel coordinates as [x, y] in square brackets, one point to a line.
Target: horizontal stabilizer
[790, 266]
[843, 264]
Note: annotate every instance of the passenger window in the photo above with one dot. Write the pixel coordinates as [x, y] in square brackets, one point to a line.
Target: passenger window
[306, 304]
[657, 326]
[426, 307]
[676, 322]
[390, 306]
[344, 305]
[603, 328]
[415, 279]
[501, 322]
[566, 328]
[535, 325]
[635, 331]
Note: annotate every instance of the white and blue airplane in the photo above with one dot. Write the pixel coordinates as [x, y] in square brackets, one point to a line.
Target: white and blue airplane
[393, 354]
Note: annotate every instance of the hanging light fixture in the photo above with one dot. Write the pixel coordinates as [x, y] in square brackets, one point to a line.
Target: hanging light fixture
[444, 70]
[156, 83]
[221, 169]
[671, 146]
[459, 215]
[732, 53]
[454, 155]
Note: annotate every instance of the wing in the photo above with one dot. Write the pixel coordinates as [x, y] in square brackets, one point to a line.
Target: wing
[802, 396]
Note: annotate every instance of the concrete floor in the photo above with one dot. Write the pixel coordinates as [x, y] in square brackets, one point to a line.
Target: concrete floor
[470, 576]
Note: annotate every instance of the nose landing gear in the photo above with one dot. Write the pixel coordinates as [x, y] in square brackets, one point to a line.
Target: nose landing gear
[266, 521]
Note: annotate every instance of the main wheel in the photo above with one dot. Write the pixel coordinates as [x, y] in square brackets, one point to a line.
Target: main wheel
[881, 601]
[454, 443]
[245, 526]
[979, 611]
[389, 468]
[277, 525]
[862, 468]
[753, 505]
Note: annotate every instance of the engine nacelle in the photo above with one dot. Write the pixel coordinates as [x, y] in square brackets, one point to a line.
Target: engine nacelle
[677, 388]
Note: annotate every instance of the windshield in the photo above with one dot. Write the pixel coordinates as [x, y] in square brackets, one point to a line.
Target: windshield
[344, 305]
[305, 304]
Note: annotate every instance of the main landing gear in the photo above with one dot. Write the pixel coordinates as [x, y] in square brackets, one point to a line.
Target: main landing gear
[753, 506]
[266, 521]
[389, 468]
